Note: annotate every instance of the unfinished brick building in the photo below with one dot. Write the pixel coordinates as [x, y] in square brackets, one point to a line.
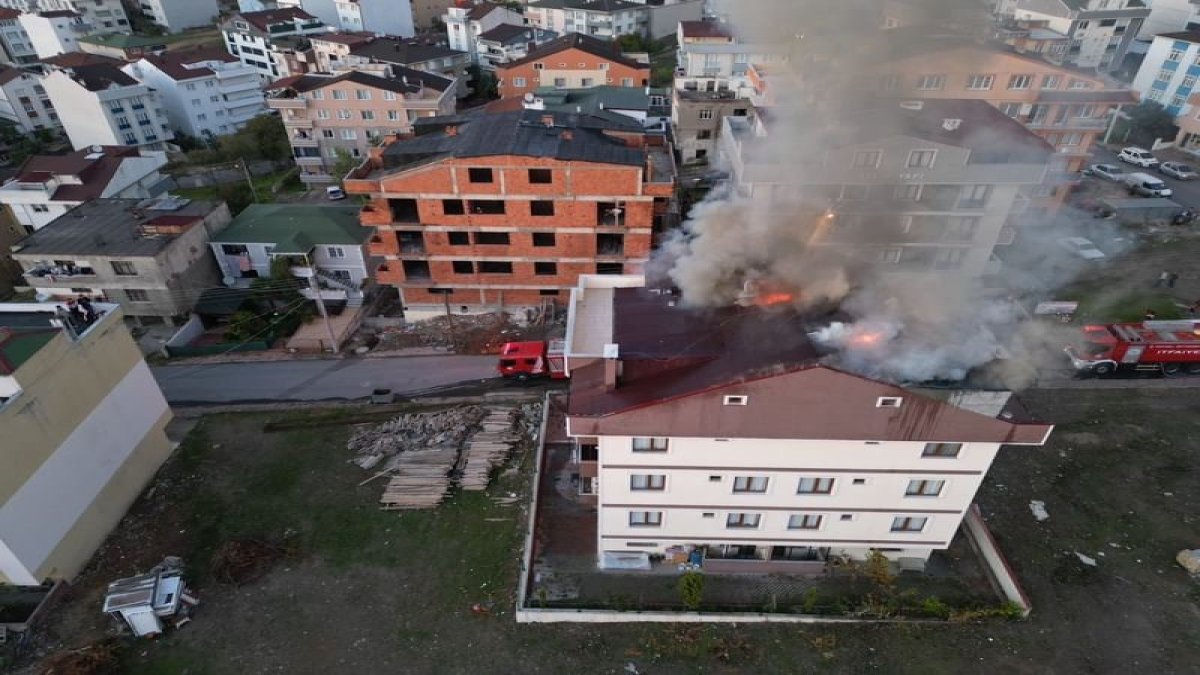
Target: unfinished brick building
[486, 211]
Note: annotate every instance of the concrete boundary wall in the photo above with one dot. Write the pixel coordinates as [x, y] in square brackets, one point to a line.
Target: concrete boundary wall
[531, 527]
[996, 565]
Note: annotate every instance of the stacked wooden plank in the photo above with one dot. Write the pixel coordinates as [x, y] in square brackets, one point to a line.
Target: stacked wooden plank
[419, 479]
[488, 448]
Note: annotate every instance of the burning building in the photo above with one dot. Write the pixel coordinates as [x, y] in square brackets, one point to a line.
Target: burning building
[730, 432]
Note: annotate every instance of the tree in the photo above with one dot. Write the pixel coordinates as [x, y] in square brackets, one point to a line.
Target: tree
[691, 589]
[1149, 121]
[263, 137]
[634, 42]
[343, 165]
[236, 195]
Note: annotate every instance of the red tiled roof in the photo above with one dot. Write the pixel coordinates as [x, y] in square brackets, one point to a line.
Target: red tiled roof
[8, 74]
[94, 174]
[349, 38]
[7, 13]
[585, 43]
[262, 20]
[174, 63]
[481, 10]
[76, 59]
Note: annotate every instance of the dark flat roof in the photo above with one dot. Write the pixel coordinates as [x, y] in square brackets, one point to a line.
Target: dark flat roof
[109, 227]
[399, 51]
[586, 43]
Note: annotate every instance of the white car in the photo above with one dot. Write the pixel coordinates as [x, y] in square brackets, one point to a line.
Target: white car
[1177, 170]
[1106, 171]
[1138, 157]
[1081, 247]
[334, 193]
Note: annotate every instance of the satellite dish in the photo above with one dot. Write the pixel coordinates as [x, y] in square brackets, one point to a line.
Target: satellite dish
[529, 97]
[229, 281]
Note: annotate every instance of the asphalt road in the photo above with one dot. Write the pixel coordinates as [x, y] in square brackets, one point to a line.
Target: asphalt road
[315, 380]
[1187, 193]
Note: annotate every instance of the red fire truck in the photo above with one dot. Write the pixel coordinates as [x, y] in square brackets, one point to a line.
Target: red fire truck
[1167, 347]
[528, 360]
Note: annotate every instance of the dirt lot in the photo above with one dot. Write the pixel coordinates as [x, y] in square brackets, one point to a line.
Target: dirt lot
[375, 592]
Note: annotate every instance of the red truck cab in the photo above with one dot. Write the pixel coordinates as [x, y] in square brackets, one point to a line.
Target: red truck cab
[1169, 347]
[529, 360]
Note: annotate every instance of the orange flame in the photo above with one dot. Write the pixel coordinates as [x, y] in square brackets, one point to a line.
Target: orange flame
[774, 298]
[866, 339]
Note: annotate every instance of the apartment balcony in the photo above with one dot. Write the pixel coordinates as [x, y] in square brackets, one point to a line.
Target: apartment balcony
[288, 103]
[303, 142]
[309, 161]
[1094, 123]
[52, 275]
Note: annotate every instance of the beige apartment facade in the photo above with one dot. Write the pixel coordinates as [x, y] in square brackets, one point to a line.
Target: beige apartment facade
[329, 114]
[84, 427]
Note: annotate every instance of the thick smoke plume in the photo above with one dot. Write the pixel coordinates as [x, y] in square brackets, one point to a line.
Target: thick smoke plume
[903, 327]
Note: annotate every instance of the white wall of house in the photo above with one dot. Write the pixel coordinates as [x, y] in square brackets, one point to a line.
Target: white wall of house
[461, 31]
[1171, 65]
[177, 15]
[700, 477]
[41, 513]
[38, 113]
[17, 45]
[97, 118]
[352, 259]
[51, 36]
[211, 105]
[325, 10]
[385, 17]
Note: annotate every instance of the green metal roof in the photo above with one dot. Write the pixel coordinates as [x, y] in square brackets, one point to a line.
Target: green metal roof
[18, 347]
[123, 41]
[295, 228]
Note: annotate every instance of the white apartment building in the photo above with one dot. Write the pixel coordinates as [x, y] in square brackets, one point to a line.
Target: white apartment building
[53, 33]
[384, 17]
[99, 104]
[248, 35]
[508, 42]
[24, 101]
[206, 92]
[693, 434]
[1169, 71]
[47, 186]
[18, 49]
[84, 432]
[178, 15]
[465, 24]
[598, 18]
[1100, 31]
[101, 16]
[916, 188]
[325, 10]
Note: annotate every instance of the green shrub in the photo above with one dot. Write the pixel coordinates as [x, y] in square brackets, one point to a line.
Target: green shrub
[691, 589]
[933, 607]
[810, 601]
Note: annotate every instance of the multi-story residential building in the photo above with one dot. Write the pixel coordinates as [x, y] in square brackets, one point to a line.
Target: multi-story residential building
[349, 111]
[55, 32]
[691, 433]
[508, 42]
[85, 430]
[428, 13]
[1100, 31]
[415, 55]
[99, 104]
[611, 18]
[122, 46]
[711, 83]
[1169, 16]
[101, 16]
[248, 35]
[1168, 73]
[913, 187]
[206, 92]
[177, 15]
[573, 61]
[328, 240]
[1068, 108]
[498, 210]
[466, 23]
[47, 186]
[151, 257]
[385, 17]
[18, 48]
[24, 101]
[325, 10]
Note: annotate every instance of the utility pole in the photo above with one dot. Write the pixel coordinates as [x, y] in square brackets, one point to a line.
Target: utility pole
[311, 273]
[246, 171]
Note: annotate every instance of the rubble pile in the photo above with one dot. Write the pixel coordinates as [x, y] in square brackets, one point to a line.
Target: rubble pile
[414, 432]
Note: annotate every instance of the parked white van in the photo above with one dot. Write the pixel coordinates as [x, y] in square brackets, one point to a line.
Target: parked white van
[1138, 157]
[1146, 185]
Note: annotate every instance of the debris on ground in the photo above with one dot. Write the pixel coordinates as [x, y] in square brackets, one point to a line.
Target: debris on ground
[1086, 560]
[425, 454]
[95, 659]
[468, 333]
[1189, 560]
[243, 561]
[1038, 507]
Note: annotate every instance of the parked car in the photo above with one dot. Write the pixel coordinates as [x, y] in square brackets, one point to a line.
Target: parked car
[1138, 157]
[1177, 170]
[334, 192]
[1145, 185]
[1106, 171]
[1081, 247]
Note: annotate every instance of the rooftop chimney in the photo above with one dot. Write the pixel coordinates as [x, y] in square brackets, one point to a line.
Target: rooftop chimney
[612, 366]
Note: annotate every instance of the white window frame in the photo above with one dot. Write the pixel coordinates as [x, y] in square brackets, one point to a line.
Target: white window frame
[645, 518]
[735, 399]
[647, 482]
[889, 401]
[915, 157]
[649, 444]
[935, 82]
[906, 523]
[942, 450]
[866, 159]
[980, 82]
[743, 520]
[335, 252]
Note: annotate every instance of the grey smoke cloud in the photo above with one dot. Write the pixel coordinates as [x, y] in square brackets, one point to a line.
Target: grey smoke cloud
[906, 328]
